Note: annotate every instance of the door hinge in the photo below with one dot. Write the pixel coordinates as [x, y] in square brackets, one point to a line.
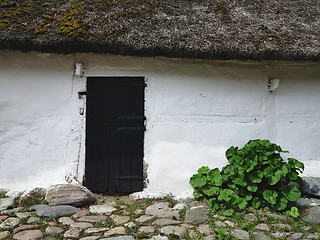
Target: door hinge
[80, 94]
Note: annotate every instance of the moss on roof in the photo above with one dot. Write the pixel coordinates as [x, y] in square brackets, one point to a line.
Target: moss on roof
[217, 29]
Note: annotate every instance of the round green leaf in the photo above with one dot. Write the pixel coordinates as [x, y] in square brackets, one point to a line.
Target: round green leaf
[268, 172]
[270, 196]
[281, 203]
[198, 180]
[228, 212]
[252, 187]
[248, 197]
[256, 203]
[255, 176]
[242, 203]
[294, 163]
[294, 212]
[239, 180]
[225, 195]
[293, 175]
[275, 178]
[211, 191]
[291, 192]
[204, 170]
[215, 177]
[196, 194]
[284, 170]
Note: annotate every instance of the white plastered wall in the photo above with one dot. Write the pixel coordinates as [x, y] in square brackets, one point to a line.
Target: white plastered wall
[195, 110]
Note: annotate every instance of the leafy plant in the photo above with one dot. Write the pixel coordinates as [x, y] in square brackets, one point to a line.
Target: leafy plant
[168, 198]
[182, 213]
[3, 194]
[256, 176]
[221, 233]
[293, 212]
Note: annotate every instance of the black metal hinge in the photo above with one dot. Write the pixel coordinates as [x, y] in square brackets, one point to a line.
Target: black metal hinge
[80, 94]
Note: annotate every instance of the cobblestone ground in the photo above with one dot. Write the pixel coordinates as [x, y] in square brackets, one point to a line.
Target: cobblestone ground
[116, 217]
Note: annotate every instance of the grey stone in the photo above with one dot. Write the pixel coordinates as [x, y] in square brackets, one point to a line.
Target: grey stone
[198, 214]
[313, 235]
[95, 230]
[93, 219]
[102, 209]
[280, 234]
[305, 202]
[130, 225]
[277, 216]
[120, 219]
[157, 206]
[116, 230]
[14, 194]
[205, 229]
[311, 186]
[165, 222]
[23, 214]
[66, 220]
[260, 236]
[143, 219]
[72, 233]
[162, 210]
[90, 238]
[81, 213]
[28, 235]
[262, 227]
[250, 217]
[4, 234]
[219, 224]
[306, 228]
[180, 206]
[165, 213]
[175, 230]
[283, 227]
[9, 223]
[239, 234]
[313, 215]
[138, 211]
[69, 194]
[230, 224]
[56, 211]
[5, 203]
[33, 219]
[14, 210]
[218, 216]
[36, 193]
[210, 237]
[119, 238]
[38, 207]
[25, 227]
[296, 236]
[81, 225]
[53, 230]
[159, 237]
[146, 229]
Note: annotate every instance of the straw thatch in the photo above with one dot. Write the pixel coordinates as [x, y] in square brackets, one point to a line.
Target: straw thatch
[215, 29]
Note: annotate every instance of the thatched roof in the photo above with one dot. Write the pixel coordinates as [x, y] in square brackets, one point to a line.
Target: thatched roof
[212, 29]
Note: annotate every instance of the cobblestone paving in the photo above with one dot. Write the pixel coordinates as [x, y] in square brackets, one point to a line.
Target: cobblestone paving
[116, 217]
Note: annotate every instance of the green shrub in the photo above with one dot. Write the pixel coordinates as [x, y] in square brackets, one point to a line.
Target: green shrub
[256, 176]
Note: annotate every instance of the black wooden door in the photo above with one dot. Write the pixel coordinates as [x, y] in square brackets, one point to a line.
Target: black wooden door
[114, 134]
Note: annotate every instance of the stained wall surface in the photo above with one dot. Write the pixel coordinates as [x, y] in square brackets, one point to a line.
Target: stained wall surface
[195, 110]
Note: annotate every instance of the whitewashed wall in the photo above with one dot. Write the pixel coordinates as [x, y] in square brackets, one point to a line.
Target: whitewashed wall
[195, 110]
